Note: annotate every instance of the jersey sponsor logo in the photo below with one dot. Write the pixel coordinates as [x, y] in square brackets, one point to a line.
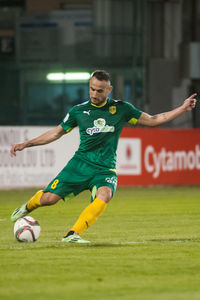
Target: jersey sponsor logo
[100, 126]
[112, 110]
[86, 112]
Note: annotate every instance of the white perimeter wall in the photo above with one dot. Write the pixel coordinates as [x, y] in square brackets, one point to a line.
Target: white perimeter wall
[36, 166]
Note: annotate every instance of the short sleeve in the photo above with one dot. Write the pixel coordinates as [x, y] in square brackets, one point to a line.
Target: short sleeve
[132, 114]
[69, 121]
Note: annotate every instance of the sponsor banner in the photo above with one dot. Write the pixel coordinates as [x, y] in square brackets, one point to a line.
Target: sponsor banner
[35, 166]
[159, 156]
[144, 157]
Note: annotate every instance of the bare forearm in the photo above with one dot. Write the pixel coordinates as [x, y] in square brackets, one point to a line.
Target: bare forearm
[43, 139]
[165, 117]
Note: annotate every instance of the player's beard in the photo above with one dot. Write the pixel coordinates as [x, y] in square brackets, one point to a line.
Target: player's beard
[97, 101]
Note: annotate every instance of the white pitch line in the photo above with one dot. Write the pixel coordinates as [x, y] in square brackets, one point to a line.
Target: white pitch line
[2, 220]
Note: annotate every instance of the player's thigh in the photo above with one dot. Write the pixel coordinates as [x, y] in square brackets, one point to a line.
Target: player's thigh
[62, 189]
[71, 181]
[49, 199]
[103, 184]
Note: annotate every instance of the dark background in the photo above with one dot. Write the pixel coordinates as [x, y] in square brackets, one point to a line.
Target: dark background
[150, 47]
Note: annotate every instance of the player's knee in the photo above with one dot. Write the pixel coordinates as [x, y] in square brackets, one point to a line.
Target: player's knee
[104, 193]
[49, 199]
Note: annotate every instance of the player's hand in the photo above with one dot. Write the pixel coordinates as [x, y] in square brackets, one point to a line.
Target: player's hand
[15, 148]
[190, 103]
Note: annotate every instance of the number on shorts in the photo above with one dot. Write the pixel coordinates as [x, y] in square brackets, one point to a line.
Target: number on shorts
[54, 184]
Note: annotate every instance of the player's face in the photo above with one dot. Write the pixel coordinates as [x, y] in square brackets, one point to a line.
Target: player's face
[99, 90]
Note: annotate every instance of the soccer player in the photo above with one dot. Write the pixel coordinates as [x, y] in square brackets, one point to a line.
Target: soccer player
[100, 121]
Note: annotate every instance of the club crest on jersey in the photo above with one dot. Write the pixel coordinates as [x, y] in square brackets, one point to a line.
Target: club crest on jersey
[100, 126]
[112, 110]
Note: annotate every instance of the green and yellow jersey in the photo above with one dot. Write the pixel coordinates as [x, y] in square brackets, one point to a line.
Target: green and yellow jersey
[100, 128]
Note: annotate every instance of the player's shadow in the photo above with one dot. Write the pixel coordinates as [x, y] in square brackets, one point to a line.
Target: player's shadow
[105, 244]
[137, 243]
[175, 240]
[115, 244]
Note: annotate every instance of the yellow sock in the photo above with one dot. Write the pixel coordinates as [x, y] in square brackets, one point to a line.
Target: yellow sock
[89, 215]
[34, 202]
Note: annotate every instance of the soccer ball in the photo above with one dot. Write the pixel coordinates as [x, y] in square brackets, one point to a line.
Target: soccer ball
[27, 229]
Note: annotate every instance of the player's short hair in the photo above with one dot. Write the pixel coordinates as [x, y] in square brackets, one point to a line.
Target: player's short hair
[101, 75]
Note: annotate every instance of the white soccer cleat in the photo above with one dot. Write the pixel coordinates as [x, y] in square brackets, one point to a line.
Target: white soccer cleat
[19, 212]
[74, 238]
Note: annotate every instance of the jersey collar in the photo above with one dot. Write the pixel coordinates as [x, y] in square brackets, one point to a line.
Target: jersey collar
[98, 105]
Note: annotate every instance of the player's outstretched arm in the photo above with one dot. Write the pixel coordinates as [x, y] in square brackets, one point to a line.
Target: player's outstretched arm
[159, 119]
[45, 138]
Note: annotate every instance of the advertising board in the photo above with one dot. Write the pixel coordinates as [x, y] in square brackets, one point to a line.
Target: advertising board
[144, 157]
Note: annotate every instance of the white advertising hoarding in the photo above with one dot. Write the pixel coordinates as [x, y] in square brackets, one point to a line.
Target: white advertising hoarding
[35, 166]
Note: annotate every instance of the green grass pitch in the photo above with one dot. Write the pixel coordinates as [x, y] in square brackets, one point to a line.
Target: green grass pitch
[146, 246]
